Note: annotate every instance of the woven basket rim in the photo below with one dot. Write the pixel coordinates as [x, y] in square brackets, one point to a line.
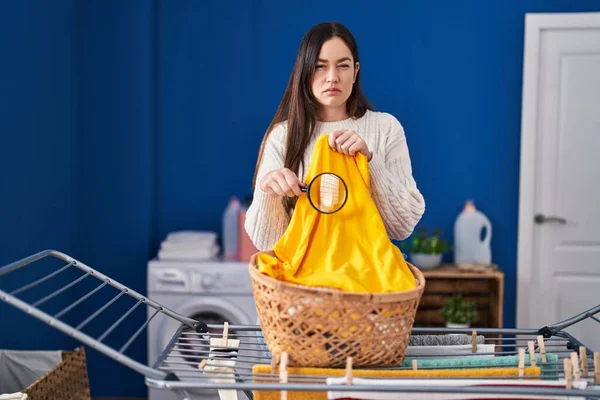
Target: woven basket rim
[47, 384]
[282, 286]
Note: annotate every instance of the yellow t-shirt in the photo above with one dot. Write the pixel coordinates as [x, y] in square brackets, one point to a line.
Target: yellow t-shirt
[348, 250]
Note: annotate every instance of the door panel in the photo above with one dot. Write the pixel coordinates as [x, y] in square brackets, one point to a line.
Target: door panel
[559, 258]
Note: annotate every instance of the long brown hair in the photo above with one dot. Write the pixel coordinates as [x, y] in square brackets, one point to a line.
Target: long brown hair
[298, 106]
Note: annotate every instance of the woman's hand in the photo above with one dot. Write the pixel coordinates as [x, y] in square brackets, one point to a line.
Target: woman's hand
[281, 182]
[349, 142]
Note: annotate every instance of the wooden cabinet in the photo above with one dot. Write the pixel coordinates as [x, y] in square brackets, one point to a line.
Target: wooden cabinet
[483, 285]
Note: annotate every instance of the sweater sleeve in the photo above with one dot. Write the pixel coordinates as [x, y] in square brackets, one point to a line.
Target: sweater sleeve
[393, 187]
[266, 218]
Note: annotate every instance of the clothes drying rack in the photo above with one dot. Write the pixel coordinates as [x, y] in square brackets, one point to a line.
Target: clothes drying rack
[182, 367]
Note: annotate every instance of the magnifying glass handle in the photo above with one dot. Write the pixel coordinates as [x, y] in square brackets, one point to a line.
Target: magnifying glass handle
[304, 189]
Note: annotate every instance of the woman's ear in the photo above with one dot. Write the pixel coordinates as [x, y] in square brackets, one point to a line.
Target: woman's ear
[356, 71]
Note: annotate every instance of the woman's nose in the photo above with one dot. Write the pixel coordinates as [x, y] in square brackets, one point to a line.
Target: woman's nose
[332, 75]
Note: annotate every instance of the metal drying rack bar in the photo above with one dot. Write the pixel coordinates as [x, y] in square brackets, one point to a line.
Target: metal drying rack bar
[191, 362]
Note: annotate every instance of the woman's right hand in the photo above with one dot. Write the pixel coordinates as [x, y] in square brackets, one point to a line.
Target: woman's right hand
[281, 182]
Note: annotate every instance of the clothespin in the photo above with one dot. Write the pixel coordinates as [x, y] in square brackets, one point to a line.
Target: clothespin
[283, 375]
[584, 360]
[575, 364]
[474, 342]
[225, 332]
[202, 364]
[349, 371]
[521, 361]
[415, 365]
[596, 367]
[542, 346]
[532, 361]
[568, 372]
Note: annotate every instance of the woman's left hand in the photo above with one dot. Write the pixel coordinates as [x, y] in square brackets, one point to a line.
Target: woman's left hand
[349, 142]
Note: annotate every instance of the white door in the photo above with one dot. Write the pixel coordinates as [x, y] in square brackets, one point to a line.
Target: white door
[559, 205]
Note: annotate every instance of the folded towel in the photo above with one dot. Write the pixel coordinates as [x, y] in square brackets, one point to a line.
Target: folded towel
[419, 340]
[188, 254]
[488, 362]
[382, 373]
[453, 339]
[483, 350]
[347, 395]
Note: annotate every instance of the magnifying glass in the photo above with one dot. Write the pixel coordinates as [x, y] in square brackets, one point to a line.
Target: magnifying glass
[327, 193]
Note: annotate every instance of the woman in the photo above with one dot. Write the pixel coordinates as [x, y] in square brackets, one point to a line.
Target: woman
[323, 95]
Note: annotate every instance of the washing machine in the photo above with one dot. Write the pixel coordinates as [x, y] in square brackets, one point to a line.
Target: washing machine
[210, 291]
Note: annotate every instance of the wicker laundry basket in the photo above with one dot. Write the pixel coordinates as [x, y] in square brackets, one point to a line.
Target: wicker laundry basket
[321, 327]
[68, 380]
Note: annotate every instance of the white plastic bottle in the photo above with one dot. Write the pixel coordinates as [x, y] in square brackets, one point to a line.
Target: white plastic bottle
[230, 229]
[245, 246]
[469, 247]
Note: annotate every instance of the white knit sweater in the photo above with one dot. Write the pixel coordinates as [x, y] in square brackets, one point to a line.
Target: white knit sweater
[393, 187]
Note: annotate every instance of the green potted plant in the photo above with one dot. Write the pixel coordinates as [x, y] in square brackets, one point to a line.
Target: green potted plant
[426, 251]
[458, 312]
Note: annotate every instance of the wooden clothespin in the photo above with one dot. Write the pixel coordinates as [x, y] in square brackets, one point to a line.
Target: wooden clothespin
[542, 346]
[521, 361]
[202, 364]
[532, 360]
[349, 371]
[415, 365]
[584, 361]
[596, 367]
[283, 374]
[225, 333]
[575, 366]
[568, 373]
[474, 342]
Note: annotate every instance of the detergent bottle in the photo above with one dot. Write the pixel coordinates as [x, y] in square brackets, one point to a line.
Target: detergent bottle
[245, 246]
[230, 229]
[469, 246]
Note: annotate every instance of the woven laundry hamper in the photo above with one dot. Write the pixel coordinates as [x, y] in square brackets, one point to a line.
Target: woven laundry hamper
[68, 380]
[321, 327]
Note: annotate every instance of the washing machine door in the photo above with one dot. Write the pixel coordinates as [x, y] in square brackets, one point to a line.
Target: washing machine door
[210, 310]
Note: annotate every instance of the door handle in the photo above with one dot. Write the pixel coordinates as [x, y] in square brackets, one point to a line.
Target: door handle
[541, 218]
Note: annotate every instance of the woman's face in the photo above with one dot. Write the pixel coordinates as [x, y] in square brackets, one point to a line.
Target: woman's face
[334, 74]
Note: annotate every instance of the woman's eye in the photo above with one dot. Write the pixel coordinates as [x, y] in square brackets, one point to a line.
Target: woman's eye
[320, 66]
[344, 66]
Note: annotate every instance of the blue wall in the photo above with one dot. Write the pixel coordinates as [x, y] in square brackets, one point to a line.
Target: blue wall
[123, 121]
[38, 149]
[117, 87]
[77, 160]
[208, 127]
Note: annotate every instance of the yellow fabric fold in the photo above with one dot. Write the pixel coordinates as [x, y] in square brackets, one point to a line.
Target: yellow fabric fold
[347, 250]
[265, 370]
